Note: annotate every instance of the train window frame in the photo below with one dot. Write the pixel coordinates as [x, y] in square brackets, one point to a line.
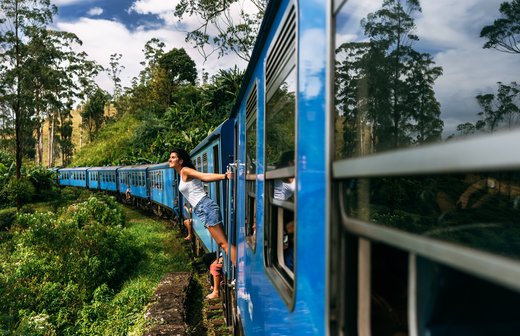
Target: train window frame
[280, 66]
[251, 203]
[352, 238]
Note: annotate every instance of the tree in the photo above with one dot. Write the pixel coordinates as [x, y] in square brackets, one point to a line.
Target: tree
[174, 69]
[52, 63]
[114, 72]
[93, 113]
[19, 18]
[384, 87]
[233, 34]
[500, 109]
[153, 50]
[504, 34]
[179, 67]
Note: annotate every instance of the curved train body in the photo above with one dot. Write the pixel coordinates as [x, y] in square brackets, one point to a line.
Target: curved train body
[375, 190]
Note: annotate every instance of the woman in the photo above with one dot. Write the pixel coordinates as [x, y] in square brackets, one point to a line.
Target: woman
[192, 189]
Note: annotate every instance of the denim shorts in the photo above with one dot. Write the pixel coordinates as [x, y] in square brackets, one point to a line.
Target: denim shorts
[208, 212]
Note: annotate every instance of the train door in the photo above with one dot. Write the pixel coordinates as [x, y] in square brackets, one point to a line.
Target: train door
[280, 222]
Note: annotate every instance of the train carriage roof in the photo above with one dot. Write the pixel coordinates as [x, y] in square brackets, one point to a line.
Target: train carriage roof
[74, 169]
[103, 168]
[159, 166]
[136, 167]
[215, 134]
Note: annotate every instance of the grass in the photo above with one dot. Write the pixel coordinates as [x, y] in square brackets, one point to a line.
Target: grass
[164, 253]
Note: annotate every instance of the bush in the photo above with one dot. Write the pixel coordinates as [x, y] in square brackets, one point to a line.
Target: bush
[7, 218]
[36, 325]
[21, 189]
[58, 261]
[44, 182]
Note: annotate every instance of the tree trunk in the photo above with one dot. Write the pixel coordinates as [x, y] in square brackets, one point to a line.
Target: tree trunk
[39, 144]
[80, 131]
[51, 140]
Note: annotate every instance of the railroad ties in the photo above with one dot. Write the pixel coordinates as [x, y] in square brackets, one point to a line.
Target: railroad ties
[166, 314]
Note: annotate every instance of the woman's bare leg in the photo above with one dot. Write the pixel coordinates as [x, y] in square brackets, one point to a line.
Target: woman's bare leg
[217, 232]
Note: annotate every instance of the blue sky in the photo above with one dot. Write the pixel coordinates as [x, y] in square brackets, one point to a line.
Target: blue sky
[119, 11]
[124, 26]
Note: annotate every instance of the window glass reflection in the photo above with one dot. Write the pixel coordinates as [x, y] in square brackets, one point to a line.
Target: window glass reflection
[280, 124]
[480, 210]
[412, 72]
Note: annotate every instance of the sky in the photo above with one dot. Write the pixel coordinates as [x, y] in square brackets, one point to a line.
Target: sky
[124, 26]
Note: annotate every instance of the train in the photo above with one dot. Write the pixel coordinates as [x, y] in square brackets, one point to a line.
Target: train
[375, 188]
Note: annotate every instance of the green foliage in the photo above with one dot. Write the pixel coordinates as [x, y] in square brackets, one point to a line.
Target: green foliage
[504, 34]
[7, 218]
[93, 113]
[58, 261]
[36, 325]
[83, 271]
[218, 30]
[148, 129]
[44, 182]
[21, 189]
[179, 67]
[113, 145]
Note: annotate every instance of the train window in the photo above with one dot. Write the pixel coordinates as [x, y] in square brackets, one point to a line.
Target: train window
[478, 210]
[251, 162]
[279, 156]
[429, 90]
[216, 169]
[161, 180]
[205, 163]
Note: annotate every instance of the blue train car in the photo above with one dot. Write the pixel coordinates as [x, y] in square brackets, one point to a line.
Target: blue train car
[133, 179]
[74, 177]
[103, 178]
[213, 155]
[282, 175]
[162, 181]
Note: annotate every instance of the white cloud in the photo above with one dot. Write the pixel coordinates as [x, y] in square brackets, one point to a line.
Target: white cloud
[109, 37]
[69, 2]
[453, 39]
[95, 11]
[153, 6]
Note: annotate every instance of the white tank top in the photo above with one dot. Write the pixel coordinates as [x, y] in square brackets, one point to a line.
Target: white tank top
[192, 190]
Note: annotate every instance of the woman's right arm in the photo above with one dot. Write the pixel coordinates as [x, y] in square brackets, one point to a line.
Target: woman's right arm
[206, 177]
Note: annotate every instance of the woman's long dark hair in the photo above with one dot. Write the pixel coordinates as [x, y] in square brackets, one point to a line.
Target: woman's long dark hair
[184, 156]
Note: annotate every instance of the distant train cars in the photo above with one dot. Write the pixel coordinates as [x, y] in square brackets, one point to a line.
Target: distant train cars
[102, 178]
[73, 177]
